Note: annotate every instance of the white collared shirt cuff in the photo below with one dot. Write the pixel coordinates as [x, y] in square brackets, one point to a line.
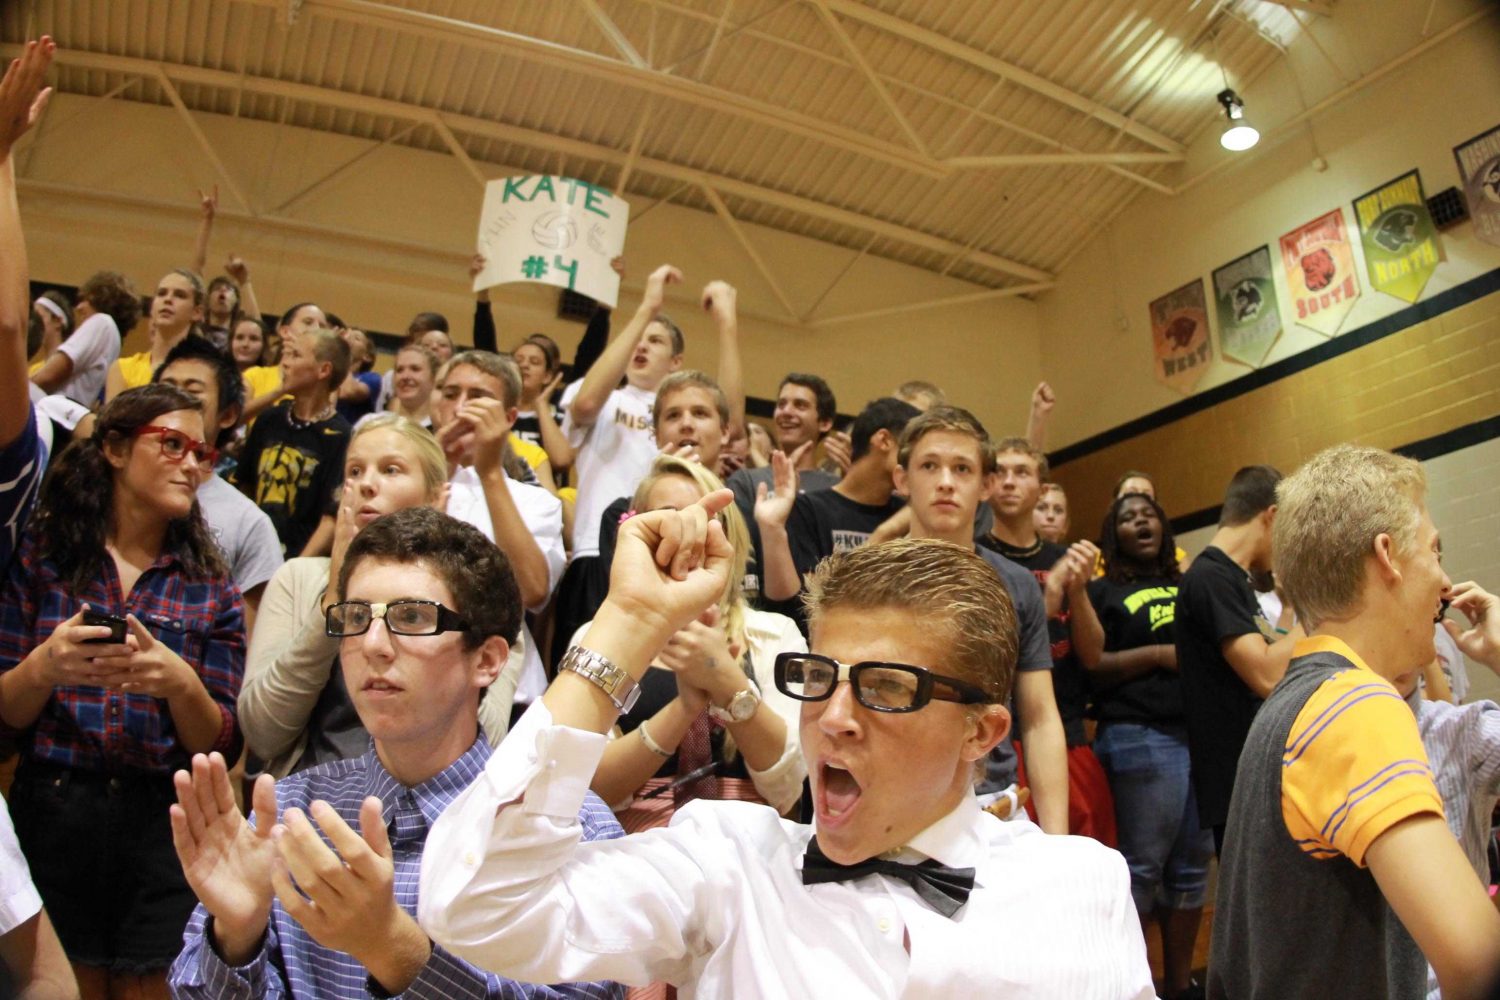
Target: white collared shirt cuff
[545, 766]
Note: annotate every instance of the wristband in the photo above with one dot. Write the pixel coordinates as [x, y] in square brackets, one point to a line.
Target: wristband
[651, 744]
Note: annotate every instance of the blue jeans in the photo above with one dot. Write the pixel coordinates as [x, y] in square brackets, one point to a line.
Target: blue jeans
[1156, 813]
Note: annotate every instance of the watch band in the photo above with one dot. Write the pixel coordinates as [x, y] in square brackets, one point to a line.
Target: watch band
[616, 684]
[726, 715]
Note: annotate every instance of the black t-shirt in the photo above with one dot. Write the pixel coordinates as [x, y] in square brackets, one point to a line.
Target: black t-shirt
[1070, 682]
[293, 471]
[744, 483]
[824, 522]
[1140, 612]
[609, 533]
[528, 428]
[1215, 602]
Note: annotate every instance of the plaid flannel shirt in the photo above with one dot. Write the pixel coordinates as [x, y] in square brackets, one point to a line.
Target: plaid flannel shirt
[101, 729]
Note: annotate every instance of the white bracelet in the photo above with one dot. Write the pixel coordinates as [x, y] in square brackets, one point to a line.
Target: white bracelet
[651, 744]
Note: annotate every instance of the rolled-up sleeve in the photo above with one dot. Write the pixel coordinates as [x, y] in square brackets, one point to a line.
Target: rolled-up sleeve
[768, 634]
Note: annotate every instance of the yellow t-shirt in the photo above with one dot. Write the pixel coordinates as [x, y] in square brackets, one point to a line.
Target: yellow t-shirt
[532, 454]
[1353, 766]
[261, 379]
[136, 369]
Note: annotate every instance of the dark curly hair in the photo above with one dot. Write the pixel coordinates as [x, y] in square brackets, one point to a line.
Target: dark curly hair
[1116, 568]
[113, 294]
[76, 503]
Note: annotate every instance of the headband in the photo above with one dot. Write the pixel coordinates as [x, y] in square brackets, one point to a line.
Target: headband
[42, 302]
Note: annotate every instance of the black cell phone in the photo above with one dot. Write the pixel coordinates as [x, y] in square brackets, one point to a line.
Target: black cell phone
[117, 626]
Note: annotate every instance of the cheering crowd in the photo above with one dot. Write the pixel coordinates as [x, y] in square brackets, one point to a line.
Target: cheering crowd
[496, 672]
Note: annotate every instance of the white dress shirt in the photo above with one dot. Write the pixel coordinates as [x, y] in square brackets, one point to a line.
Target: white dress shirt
[19, 901]
[715, 904]
[541, 512]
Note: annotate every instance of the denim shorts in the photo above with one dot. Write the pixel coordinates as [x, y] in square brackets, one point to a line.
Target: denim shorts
[1156, 814]
[101, 855]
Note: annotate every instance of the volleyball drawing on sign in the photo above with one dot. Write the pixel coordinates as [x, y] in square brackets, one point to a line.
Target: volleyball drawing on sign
[552, 230]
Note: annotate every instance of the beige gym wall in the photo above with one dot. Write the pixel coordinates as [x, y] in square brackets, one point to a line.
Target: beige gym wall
[113, 185]
[1426, 380]
[1095, 329]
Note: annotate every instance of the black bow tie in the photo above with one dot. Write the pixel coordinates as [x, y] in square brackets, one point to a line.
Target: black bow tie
[942, 888]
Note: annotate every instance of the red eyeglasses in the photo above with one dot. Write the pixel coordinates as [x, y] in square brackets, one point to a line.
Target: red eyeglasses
[175, 445]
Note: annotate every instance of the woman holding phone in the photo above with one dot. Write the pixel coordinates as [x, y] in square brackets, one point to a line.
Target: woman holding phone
[107, 712]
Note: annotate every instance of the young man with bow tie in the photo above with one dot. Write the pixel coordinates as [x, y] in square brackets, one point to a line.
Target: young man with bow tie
[902, 887]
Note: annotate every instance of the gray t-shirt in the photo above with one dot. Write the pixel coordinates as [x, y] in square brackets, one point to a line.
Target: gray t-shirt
[1035, 653]
[243, 531]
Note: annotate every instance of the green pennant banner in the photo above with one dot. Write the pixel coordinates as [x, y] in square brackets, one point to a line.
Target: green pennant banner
[1245, 299]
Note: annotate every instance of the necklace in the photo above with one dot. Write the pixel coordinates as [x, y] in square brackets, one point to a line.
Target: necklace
[1017, 551]
[316, 418]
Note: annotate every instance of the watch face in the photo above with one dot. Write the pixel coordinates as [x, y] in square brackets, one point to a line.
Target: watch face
[743, 705]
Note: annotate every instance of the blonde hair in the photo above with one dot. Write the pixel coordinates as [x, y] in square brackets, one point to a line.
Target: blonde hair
[953, 594]
[1328, 514]
[428, 453]
[433, 364]
[732, 602]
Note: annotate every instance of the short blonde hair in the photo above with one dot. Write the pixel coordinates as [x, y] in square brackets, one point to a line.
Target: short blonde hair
[1328, 514]
[949, 590]
[732, 603]
[425, 448]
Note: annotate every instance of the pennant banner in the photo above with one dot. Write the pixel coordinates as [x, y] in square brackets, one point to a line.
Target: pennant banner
[1179, 337]
[1479, 166]
[1400, 241]
[553, 230]
[1245, 299]
[1319, 265]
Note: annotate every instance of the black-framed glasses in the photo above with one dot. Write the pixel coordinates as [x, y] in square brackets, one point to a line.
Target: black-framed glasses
[881, 687]
[349, 618]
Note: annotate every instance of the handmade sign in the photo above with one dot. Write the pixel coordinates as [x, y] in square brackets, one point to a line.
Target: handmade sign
[553, 230]
[1179, 337]
[1479, 166]
[1245, 299]
[1400, 241]
[1319, 265]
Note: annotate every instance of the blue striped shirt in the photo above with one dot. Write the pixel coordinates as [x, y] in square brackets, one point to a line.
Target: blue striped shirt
[291, 964]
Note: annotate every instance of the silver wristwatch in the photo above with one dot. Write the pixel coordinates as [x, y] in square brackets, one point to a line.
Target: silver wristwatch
[599, 671]
[740, 708]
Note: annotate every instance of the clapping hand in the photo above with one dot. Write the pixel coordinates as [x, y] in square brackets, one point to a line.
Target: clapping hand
[774, 506]
[345, 897]
[227, 862]
[703, 658]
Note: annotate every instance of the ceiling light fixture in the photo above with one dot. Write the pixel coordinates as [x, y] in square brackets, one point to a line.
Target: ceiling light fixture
[1240, 135]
